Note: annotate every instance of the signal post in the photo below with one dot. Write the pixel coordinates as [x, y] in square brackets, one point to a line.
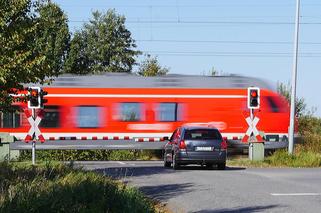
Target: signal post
[252, 135]
[35, 101]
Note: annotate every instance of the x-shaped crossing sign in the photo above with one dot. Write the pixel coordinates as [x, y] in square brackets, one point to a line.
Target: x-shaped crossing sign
[252, 129]
[34, 131]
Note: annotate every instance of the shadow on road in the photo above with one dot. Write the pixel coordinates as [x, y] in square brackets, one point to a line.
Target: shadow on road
[186, 168]
[241, 210]
[136, 171]
[123, 172]
[167, 191]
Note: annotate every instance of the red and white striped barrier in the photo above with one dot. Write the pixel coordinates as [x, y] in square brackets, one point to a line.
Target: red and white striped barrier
[149, 139]
[142, 139]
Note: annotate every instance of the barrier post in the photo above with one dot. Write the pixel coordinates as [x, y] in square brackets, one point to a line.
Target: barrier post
[256, 151]
[256, 148]
[5, 153]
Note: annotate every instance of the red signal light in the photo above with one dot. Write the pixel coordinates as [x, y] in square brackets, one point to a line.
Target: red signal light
[33, 97]
[253, 98]
[253, 93]
[34, 93]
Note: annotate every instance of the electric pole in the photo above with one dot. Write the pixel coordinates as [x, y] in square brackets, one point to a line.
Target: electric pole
[294, 78]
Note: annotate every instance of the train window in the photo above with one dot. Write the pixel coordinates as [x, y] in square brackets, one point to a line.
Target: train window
[130, 111]
[10, 119]
[167, 112]
[88, 117]
[272, 104]
[51, 117]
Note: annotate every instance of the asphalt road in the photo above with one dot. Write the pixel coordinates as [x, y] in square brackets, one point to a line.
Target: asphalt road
[196, 189]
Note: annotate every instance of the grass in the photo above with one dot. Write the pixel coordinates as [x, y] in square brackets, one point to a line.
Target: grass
[58, 188]
[281, 158]
[91, 155]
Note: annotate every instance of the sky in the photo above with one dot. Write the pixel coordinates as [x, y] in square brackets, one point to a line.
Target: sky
[244, 37]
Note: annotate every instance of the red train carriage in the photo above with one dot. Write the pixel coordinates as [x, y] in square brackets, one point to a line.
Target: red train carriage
[121, 106]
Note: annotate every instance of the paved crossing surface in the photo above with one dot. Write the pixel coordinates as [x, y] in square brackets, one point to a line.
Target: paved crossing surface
[196, 189]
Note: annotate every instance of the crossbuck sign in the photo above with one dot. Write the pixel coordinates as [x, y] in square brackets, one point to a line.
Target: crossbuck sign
[252, 129]
[34, 131]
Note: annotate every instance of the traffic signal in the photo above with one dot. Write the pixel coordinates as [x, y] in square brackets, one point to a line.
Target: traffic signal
[34, 97]
[42, 99]
[253, 97]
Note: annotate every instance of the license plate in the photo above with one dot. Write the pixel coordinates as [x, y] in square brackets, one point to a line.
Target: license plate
[202, 148]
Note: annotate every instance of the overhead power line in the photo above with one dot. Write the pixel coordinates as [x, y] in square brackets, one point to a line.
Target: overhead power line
[187, 6]
[208, 22]
[223, 41]
[236, 54]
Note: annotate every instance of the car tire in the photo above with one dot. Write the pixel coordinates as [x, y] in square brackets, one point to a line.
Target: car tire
[175, 164]
[166, 163]
[221, 166]
[209, 165]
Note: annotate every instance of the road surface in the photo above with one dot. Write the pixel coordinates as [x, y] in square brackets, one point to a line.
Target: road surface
[196, 189]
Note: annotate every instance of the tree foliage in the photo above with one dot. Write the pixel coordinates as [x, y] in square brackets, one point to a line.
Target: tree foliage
[103, 45]
[53, 36]
[214, 72]
[300, 105]
[151, 67]
[30, 51]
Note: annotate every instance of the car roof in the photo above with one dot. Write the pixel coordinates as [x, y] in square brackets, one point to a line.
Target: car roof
[197, 127]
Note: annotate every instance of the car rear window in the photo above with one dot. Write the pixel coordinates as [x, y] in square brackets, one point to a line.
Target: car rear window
[202, 134]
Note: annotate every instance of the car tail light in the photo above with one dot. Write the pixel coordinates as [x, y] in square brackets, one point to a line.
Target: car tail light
[223, 145]
[182, 144]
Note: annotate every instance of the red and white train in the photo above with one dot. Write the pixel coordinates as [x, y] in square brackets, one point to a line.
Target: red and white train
[123, 106]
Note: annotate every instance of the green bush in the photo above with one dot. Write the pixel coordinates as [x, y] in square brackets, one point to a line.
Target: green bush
[301, 159]
[310, 130]
[62, 189]
[91, 155]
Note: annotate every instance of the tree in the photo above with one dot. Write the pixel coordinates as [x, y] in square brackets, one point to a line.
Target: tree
[214, 72]
[77, 61]
[300, 105]
[53, 35]
[103, 45]
[25, 56]
[151, 67]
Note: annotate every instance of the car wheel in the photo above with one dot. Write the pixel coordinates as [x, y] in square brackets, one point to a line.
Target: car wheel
[175, 164]
[166, 163]
[209, 165]
[221, 166]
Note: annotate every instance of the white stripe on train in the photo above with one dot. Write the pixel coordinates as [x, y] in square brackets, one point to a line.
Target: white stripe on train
[142, 96]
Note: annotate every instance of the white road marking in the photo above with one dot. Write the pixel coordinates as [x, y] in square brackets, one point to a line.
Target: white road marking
[296, 194]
